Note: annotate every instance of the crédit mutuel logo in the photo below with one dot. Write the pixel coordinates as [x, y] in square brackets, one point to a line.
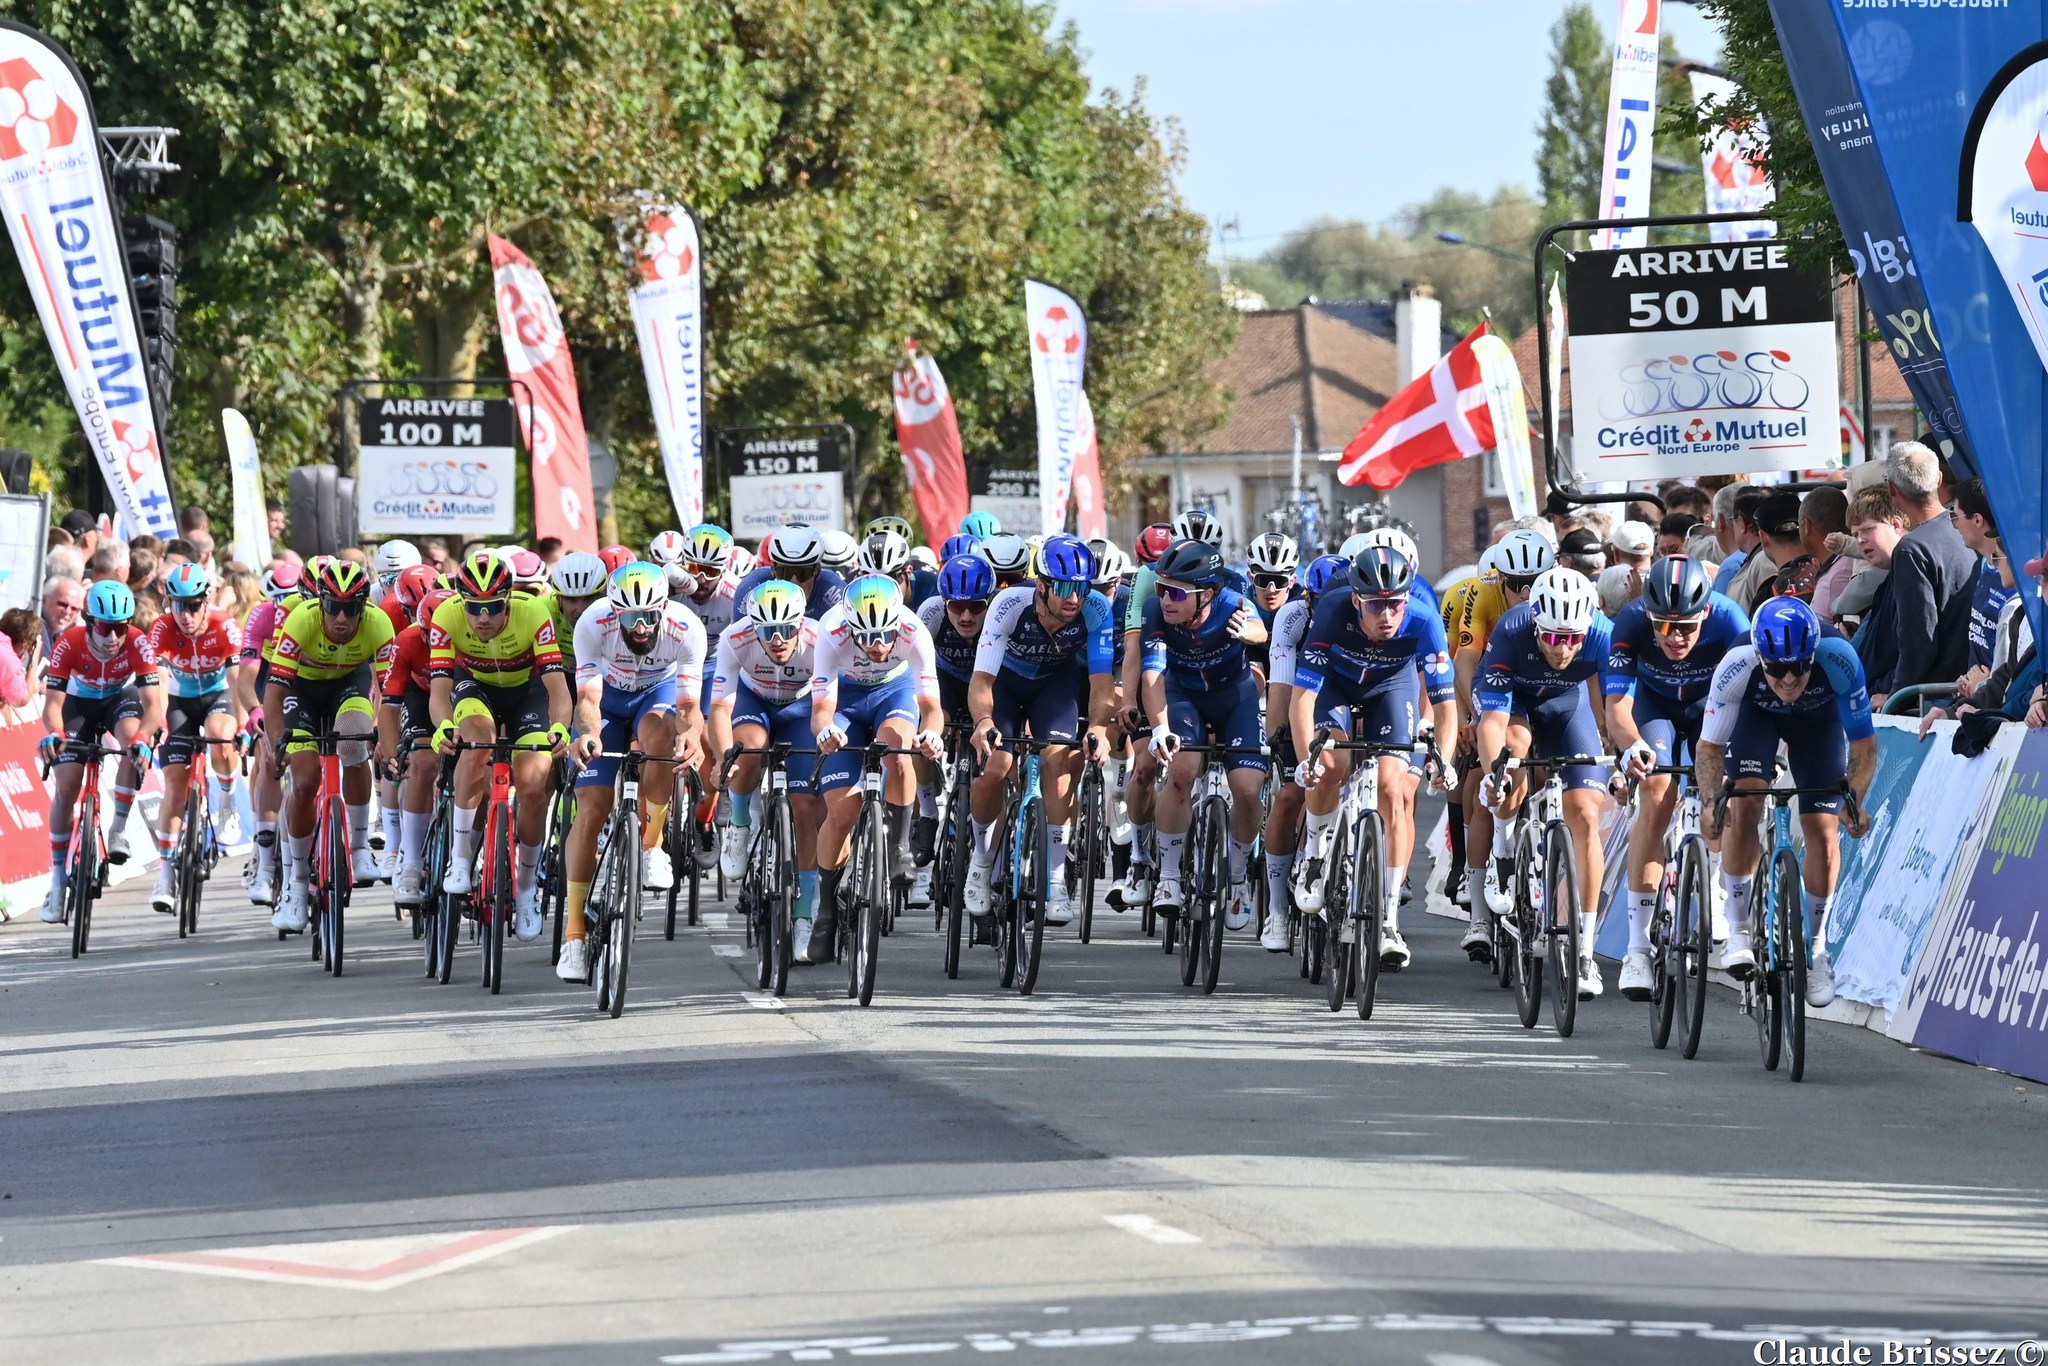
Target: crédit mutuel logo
[2004, 188]
[34, 119]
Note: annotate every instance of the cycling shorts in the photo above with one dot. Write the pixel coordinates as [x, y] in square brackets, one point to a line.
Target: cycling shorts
[863, 708]
[1666, 728]
[786, 723]
[415, 716]
[1564, 724]
[184, 719]
[1225, 715]
[88, 718]
[953, 698]
[1050, 705]
[313, 705]
[619, 715]
[520, 711]
[1815, 747]
[1384, 713]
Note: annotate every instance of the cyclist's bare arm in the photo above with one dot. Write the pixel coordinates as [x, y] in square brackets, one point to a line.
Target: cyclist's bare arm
[440, 700]
[559, 701]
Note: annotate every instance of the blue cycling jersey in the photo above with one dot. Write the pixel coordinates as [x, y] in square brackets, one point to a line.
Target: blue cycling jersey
[953, 652]
[1515, 673]
[1015, 640]
[1637, 663]
[827, 592]
[1198, 657]
[1985, 607]
[1119, 613]
[1836, 682]
[924, 586]
[1336, 650]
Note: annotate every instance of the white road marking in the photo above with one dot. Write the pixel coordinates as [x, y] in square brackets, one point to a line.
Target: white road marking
[1150, 1229]
[371, 1264]
[1459, 1359]
[762, 1000]
[728, 950]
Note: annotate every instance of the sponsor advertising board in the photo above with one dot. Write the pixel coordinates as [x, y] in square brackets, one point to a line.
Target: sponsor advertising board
[780, 475]
[442, 464]
[668, 317]
[1011, 497]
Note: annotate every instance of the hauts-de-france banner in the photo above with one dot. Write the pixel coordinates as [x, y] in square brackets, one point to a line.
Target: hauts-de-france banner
[1631, 122]
[668, 315]
[537, 358]
[60, 213]
[1057, 333]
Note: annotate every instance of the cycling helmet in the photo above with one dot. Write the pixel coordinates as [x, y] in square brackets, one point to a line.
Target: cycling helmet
[109, 600]
[1380, 571]
[710, 547]
[1111, 565]
[579, 575]
[667, 548]
[430, 603]
[963, 544]
[1066, 559]
[1523, 554]
[1676, 587]
[1563, 600]
[1198, 524]
[1006, 554]
[316, 572]
[1274, 553]
[282, 580]
[188, 581]
[413, 585]
[795, 547]
[395, 557]
[483, 576]
[874, 606]
[839, 551]
[528, 569]
[1324, 573]
[776, 603]
[1192, 562]
[1490, 561]
[967, 578]
[1353, 543]
[1786, 631]
[616, 557]
[1395, 539]
[980, 525]
[640, 586]
[742, 562]
[884, 552]
[900, 525]
[1154, 541]
[346, 582]
[922, 559]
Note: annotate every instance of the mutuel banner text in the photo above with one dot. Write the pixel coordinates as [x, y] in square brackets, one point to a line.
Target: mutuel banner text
[668, 316]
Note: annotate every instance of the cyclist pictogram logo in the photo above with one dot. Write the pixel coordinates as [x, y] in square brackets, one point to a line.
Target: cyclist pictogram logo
[665, 252]
[32, 117]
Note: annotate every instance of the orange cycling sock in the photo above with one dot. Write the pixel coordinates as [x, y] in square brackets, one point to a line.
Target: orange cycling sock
[650, 833]
[572, 910]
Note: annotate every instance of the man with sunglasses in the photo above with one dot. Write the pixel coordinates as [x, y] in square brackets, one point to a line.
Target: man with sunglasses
[955, 617]
[1271, 560]
[1537, 697]
[1797, 683]
[1666, 645]
[796, 554]
[405, 748]
[329, 658]
[200, 649]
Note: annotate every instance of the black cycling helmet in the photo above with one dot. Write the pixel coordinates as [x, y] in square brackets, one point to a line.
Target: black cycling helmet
[1676, 587]
[1195, 562]
[1380, 571]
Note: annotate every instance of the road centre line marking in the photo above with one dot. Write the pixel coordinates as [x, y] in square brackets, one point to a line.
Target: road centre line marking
[1150, 1229]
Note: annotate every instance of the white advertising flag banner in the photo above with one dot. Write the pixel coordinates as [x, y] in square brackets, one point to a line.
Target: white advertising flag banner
[1058, 335]
[1509, 409]
[1736, 180]
[668, 315]
[2008, 187]
[252, 520]
[1631, 123]
[60, 212]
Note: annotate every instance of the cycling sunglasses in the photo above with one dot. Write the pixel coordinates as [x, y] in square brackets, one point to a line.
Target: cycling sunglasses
[640, 619]
[188, 604]
[1271, 580]
[1678, 626]
[973, 607]
[107, 628]
[869, 639]
[1383, 606]
[775, 632]
[1176, 594]
[1788, 668]
[335, 608]
[1060, 588]
[485, 609]
[1562, 639]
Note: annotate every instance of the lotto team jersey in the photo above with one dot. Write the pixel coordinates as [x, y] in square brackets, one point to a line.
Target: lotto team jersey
[955, 652]
[838, 657]
[1336, 650]
[742, 658]
[1014, 638]
[677, 651]
[199, 664]
[1515, 671]
[507, 659]
[78, 670]
[827, 591]
[1198, 657]
[303, 650]
[1637, 663]
[1740, 684]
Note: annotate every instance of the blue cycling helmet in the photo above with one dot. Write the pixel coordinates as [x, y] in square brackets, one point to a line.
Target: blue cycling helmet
[1191, 562]
[188, 581]
[967, 578]
[1066, 559]
[1786, 631]
[1324, 573]
[980, 525]
[109, 601]
[963, 544]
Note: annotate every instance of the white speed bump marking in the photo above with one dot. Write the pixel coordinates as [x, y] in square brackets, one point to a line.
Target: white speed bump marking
[1151, 1230]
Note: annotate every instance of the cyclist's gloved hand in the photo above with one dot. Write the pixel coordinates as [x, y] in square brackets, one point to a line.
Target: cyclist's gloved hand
[141, 753]
[1638, 759]
[932, 743]
[254, 725]
[558, 736]
[831, 738]
[1492, 791]
[586, 748]
[1308, 773]
[49, 745]
[444, 737]
[1165, 744]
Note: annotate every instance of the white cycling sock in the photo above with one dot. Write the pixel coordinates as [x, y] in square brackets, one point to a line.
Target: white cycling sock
[462, 844]
[412, 836]
[1055, 852]
[1502, 834]
[1397, 878]
[1169, 853]
[1816, 916]
[1589, 930]
[391, 813]
[1641, 907]
[1739, 889]
[300, 852]
[1318, 824]
[529, 859]
[358, 826]
[927, 803]
[984, 841]
[1240, 855]
[1278, 866]
[1142, 837]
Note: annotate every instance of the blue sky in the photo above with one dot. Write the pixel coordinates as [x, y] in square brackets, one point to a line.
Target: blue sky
[1295, 108]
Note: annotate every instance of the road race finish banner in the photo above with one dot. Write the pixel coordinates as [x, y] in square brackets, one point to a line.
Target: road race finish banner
[928, 434]
[1849, 164]
[60, 212]
[668, 315]
[537, 356]
[1058, 335]
[1631, 122]
[780, 475]
[245, 463]
[1735, 178]
[446, 463]
[1010, 496]
[1924, 75]
[1700, 360]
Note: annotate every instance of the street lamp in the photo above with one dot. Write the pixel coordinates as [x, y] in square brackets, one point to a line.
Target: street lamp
[1459, 240]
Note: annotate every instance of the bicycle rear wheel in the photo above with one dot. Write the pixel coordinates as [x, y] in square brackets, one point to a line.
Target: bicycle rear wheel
[1340, 959]
[1030, 908]
[1368, 900]
[1528, 947]
[1561, 897]
[1696, 942]
[189, 876]
[339, 877]
[1766, 983]
[1790, 924]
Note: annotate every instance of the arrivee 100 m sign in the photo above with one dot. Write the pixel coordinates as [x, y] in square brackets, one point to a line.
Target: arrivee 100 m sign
[1700, 360]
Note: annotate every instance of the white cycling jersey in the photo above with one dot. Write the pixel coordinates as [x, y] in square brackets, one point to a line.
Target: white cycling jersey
[742, 657]
[838, 657]
[677, 652]
[719, 610]
[1290, 623]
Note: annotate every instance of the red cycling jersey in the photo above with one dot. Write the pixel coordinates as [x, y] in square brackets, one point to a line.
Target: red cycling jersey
[393, 608]
[197, 665]
[79, 670]
[410, 667]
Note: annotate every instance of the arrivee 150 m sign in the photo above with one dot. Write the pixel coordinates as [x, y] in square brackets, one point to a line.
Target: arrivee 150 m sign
[1700, 360]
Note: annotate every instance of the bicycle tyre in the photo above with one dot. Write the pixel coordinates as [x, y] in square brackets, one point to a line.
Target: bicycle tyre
[1528, 957]
[1369, 883]
[619, 945]
[83, 876]
[680, 851]
[1697, 948]
[696, 896]
[500, 906]
[1791, 927]
[949, 882]
[1668, 946]
[432, 900]
[1184, 931]
[1340, 963]
[1561, 888]
[1765, 982]
[1217, 897]
[871, 885]
[342, 874]
[783, 910]
[1091, 824]
[1037, 884]
[187, 876]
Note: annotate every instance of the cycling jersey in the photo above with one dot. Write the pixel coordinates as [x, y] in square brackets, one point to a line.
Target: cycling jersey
[508, 659]
[197, 665]
[76, 669]
[1515, 676]
[827, 591]
[1484, 606]
[677, 652]
[953, 651]
[1014, 638]
[719, 610]
[1638, 667]
[1198, 656]
[1290, 624]
[391, 607]
[411, 664]
[1335, 651]
[1986, 605]
[1740, 686]
[743, 660]
[303, 651]
[910, 654]
[1119, 614]
[1146, 589]
[260, 629]
[924, 586]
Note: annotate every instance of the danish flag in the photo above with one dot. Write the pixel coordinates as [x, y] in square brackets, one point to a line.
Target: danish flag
[1440, 416]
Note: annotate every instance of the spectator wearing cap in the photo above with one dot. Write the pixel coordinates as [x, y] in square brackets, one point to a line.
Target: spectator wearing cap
[1674, 529]
[1979, 532]
[85, 533]
[1776, 519]
[1824, 539]
[1878, 529]
[1934, 575]
[1579, 549]
[1632, 544]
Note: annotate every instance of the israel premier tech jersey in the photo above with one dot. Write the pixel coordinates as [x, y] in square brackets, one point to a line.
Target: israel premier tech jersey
[1515, 675]
[1014, 638]
[1638, 667]
[1836, 682]
[1336, 653]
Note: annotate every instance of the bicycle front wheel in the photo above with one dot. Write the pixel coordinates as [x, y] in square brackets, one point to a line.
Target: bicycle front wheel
[1766, 984]
[1790, 923]
[1340, 958]
[85, 874]
[1561, 899]
[1216, 886]
[189, 877]
[339, 877]
[1030, 907]
[500, 907]
[1092, 825]
[1368, 905]
[1528, 933]
[1695, 944]
[619, 942]
[873, 891]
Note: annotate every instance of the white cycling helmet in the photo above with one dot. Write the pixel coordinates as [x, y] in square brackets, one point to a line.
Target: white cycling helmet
[1198, 524]
[742, 562]
[1353, 543]
[1274, 553]
[668, 547]
[921, 557]
[1111, 564]
[840, 551]
[395, 557]
[579, 575]
[1563, 600]
[638, 587]
[874, 606]
[1490, 562]
[776, 603]
[795, 547]
[884, 552]
[1523, 554]
[1005, 552]
[1395, 539]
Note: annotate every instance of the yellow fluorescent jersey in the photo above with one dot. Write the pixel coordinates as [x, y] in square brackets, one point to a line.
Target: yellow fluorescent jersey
[302, 649]
[1483, 611]
[506, 660]
[565, 636]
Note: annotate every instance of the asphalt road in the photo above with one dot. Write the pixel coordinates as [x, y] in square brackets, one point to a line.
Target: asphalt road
[301, 1169]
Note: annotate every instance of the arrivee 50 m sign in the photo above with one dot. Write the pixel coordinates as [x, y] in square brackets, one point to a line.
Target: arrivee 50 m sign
[1700, 360]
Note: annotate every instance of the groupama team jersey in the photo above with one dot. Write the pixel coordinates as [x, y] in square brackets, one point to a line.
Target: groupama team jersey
[199, 664]
[827, 591]
[910, 651]
[79, 670]
[1336, 650]
[955, 652]
[1836, 681]
[303, 651]
[1015, 639]
[1146, 589]
[1636, 663]
[1198, 656]
[509, 658]
[719, 610]
[1515, 674]
[742, 658]
[677, 651]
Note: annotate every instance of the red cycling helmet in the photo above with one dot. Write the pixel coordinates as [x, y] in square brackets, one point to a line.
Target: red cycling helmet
[616, 557]
[429, 602]
[414, 584]
[1154, 541]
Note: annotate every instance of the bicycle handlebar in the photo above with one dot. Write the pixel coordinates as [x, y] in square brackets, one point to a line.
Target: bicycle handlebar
[733, 756]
